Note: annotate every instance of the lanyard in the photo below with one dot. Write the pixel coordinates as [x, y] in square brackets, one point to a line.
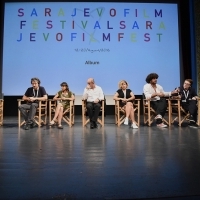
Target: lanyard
[186, 94]
[34, 93]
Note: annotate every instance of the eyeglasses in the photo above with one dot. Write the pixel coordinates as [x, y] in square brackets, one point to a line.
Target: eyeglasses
[187, 83]
[89, 83]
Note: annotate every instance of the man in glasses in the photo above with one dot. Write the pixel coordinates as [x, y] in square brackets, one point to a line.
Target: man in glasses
[94, 95]
[32, 95]
[189, 98]
[156, 94]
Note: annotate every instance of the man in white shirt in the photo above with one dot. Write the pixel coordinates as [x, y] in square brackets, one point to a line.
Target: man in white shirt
[94, 96]
[155, 93]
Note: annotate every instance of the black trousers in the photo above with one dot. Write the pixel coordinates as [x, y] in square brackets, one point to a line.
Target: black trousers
[93, 110]
[159, 106]
[190, 106]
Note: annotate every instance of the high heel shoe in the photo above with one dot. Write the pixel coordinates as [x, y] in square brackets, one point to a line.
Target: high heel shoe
[52, 123]
[60, 126]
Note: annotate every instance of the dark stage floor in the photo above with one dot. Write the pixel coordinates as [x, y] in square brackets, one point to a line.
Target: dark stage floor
[104, 163]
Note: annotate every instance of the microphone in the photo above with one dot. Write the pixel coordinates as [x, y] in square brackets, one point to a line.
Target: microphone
[176, 91]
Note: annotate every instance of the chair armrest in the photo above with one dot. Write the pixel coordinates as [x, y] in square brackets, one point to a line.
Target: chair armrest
[137, 99]
[83, 102]
[51, 100]
[174, 98]
[146, 99]
[71, 102]
[116, 103]
[19, 101]
[102, 104]
[42, 100]
[198, 104]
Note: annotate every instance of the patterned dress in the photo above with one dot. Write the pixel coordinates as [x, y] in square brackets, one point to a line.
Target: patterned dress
[65, 103]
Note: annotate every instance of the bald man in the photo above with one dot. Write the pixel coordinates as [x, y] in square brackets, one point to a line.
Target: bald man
[94, 95]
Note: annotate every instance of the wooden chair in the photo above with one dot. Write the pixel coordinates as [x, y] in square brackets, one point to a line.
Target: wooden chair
[40, 115]
[68, 114]
[120, 113]
[178, 113]
[149, 113]
[1, 111]
[100, 119]
[198, 113]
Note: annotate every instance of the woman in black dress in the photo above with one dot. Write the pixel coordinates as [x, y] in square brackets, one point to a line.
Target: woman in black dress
[126, 98]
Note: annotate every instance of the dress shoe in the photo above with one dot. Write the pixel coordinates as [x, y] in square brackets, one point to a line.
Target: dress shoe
[33, 125]
[95, 125]
[60, 126]
[193, 124]
[52, 123]
[91, 125]
[26, 126]
[192, 119]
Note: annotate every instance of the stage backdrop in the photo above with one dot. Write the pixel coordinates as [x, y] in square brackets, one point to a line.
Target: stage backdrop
[70, 41]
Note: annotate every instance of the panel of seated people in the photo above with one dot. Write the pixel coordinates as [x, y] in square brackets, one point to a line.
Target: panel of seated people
[156, 104]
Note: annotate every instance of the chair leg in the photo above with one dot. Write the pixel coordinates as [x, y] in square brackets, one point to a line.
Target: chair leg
[19, 115]
[179, 114]
[70, 117]
[149, 114]
[169, 113]
[83, 119]
[138, 113]
[73, 113]
[118, 117]
[45, 117]
[49, 111]
[115, 113]
[83, 114]
[144, 114]
[198, 112]
[102, 120]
